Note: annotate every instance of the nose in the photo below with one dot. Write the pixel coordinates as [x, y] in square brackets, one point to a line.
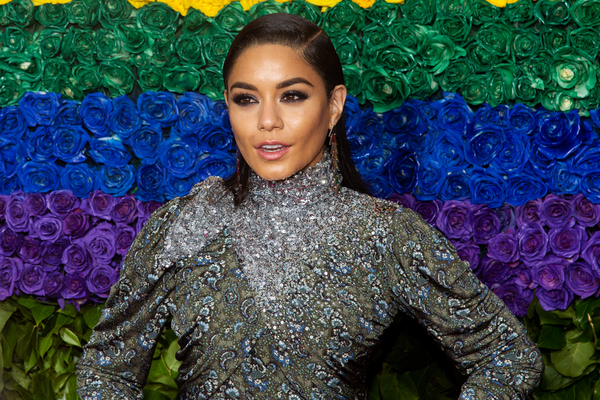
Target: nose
[269, 116]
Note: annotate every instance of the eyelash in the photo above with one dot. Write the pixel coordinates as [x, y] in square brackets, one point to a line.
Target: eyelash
[245, 99]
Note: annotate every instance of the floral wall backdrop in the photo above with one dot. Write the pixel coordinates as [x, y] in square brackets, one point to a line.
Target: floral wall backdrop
[481, 116]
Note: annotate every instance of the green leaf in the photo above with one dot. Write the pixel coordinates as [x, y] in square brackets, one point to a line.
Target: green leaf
[92, 316]
[374, 393]
[45, 344]
[552, 337]
[59, 382]
[27, 302]
[31, 361]
[71, 388]
[61, 321]
[581, 390]
[554, 317]
[69, 310]
[69, 337]
[597, 390]
[552, 380]
[150, 394]
[169, 357]
[573, 359]
[5, 313]
[41, 312]
[389, 387]
[43, 387]
[20, 376]
[407, 387]
[1, 370]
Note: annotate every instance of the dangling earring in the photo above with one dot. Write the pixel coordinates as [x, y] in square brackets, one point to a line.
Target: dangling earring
[237, 156]
[334, 158]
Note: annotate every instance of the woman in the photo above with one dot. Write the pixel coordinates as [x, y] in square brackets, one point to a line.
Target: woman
[280, 280]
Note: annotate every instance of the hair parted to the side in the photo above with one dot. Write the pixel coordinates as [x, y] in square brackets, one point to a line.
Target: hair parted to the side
[315, 47]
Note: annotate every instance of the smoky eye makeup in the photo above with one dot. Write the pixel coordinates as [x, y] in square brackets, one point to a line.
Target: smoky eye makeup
[243, 99]
[293, 96]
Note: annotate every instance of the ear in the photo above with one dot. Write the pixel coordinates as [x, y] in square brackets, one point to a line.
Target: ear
[225, 96]
[336, 104]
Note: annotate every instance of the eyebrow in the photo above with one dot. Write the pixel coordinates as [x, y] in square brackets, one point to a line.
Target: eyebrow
[280, 85]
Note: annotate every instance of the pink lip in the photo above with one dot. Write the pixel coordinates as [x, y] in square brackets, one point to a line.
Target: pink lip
[271, 155]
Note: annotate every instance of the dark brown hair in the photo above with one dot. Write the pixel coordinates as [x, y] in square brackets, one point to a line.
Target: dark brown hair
[315, 47]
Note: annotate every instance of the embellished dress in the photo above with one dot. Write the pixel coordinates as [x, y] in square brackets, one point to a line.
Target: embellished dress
[284, 297]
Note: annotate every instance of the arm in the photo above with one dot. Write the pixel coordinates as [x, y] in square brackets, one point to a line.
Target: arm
[471, 324]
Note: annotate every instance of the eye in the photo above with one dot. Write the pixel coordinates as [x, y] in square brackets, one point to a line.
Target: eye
[292, 96]
[243, 99]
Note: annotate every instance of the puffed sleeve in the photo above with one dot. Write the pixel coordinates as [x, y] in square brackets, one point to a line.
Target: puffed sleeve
[117, 358]
[471, 324]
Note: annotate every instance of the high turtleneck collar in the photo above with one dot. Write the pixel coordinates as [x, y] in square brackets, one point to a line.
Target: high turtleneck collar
[304, 187]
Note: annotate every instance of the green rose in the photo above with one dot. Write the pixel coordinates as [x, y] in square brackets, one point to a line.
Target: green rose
[520, 12]
[70, 92]
[231, 18]
[457, 72]
[574, 71]
[190, 50]
[475, 90]
[83, 44]
[592, 102]
[86, 78]
[216, 48]
[353, 81]
[134, 38]
[374, 35]
[480, 57]
[484, 12]
[422, 83]
[419, 11]
[552, 12]
[182, 79]
[383, 13]
[212, 83]
[140, 61]
[555, 38]
[391, 57]
[456, 27]
[151, 79]
[501, 81]
[11, 90]
[344, 16]
[525, 90]
[158, 19]
[264, 8]
[385, 91]
[4, 15]
[348, 47]
[17, 39]
[537, 69]
[163, 51]
[586, 40]
[559, 101]
[108, 46]
[448, 8]
[49, 41]
[117, 77]
[115, 12]
[83, 12]
[586, 12]
[496, 38]
[525, 43]
[195, 22]
[52, 15]
[305, 10]
[436, 51]
[20, 12]
[29, 68]
[54, 69]
[409, 35]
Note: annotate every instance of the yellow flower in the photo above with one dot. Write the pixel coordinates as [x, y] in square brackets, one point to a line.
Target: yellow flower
[207, 7]
[364, 3]
[38, 3]
[501, 3]
[246, 4]
[324, 3]
[395, 1]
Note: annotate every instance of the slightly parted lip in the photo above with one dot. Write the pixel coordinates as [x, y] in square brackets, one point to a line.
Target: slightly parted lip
[271, 143]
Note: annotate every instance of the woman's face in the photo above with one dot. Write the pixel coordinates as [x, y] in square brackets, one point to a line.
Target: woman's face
[279, 110]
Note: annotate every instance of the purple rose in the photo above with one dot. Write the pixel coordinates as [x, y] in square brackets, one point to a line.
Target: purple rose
[510, 294]
[581, 279]
[429, 210]
[406, 200]
[76, 224]
[567, 242]
[17, 216]
[53, 283]
[504, 247]
[557, 212]
[124, 237]
[529, 212]
[47, 228]
[455, 220]
[100, 242]
[549, 273]
[145, 209]
[468, 251]
[52, 253]
[586, 213]
[140, 223]
[3, 204]
[31, 250]
[533, 242]
[557, 299]
[591, 252]
[100, 280]
[32, 280]
[523, 277]
[10, 273]
[77, 260]
[36, 204]
[73, 287]
[492, 272]
[486, 224]
[125, 209]
[9, 241]
[507, 216]
[62, 202]
[99, 204]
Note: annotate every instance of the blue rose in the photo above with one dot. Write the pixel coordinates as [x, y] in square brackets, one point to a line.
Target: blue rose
[525, 186]
[587, 158]
[488, 115]
[151, 182]
[145, 141]
[352, 112]
[177, 187]
[366, 136]
[403, 122]
[483, 144]
[68, 113]
[211, 137]
[540, 162]
[590, 186]
[158, 108]
[425, 142]
[521, 120]
[379, 186]
[39, 177]
[39, 108]
[456, 185]
[69, 143]
[194, 112]
[12, 122]
[219, 115]
[487, 187]
[79, 179]
[110, 151]
[430, 179]
[178, 157]
[40, 144]
[559, 134]
[450, 152]
[124, 118]
[454, 115]
[116, 180]
[402, 171]
[427, 110]
[514, 153]
[374, 163]
[95, 111]
[563, 179]
[9, 185]
[12, 156]
[216, 164]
